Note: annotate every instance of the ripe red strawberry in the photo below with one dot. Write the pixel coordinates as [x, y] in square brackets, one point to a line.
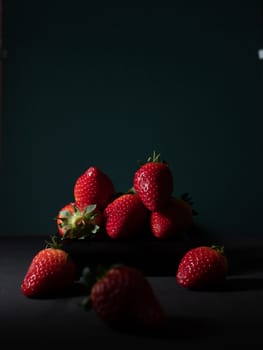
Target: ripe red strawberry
[75, 223]
[93, 187]
[122, 297]
[153, 182]
[125, 216]
[51, 271]
[202, 267]
[173, 219]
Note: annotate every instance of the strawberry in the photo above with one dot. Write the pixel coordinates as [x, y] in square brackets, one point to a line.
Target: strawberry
[51, 271]
[70, 208]
[93, 187]
[202, 267]
[123, 297]
[173, 219]
[75, 223]
[125, 216]
[153, 182]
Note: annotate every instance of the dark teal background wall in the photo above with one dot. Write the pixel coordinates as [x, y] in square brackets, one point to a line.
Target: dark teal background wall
[91, 83]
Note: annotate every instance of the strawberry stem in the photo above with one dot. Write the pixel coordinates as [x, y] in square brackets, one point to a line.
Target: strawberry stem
[218, 248]
[86, 303]
[53, 243]
[131, 190]
[155, 157]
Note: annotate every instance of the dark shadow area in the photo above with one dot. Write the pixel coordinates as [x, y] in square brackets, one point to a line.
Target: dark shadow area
[157, 257]
[152, 256]
[239, 284]
[178, 328]
[76, 290]
[245, 260]
[236, 284]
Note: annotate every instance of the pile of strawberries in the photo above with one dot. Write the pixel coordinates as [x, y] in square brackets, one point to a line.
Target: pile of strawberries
[121, 295]
[148, 206]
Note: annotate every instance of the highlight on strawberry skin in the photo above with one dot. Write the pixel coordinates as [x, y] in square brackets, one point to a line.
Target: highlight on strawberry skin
[202, 267]
[51, 272]
[153, 182]
[125, 217]
[173, 220]
[93, 187]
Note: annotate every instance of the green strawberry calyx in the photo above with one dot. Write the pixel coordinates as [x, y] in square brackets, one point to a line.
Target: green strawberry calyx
[53, 242]
[219, 249]
[154, 158]
[80, 224]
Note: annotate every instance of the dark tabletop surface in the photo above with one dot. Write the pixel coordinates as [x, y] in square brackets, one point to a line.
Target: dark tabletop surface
[231, 316]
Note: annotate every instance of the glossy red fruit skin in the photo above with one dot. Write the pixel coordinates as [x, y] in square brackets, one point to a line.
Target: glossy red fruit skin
[172, 220]
[50, 271]
[153, 182]
[125, 217]
[123, 297]
[93, 187]
[202, 267]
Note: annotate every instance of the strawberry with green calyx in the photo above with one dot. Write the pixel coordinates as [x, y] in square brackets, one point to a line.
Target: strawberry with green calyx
[202, 267]
[172, 220]
[125, 216]
[51, 271]
[153, 182]
[122, 297]
[93, 187]
[79, 224]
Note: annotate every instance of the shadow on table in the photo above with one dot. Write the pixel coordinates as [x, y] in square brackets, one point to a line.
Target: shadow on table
[234, 284]
[231, 284]
[179, 328]
[239, 284]
[76, 290]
